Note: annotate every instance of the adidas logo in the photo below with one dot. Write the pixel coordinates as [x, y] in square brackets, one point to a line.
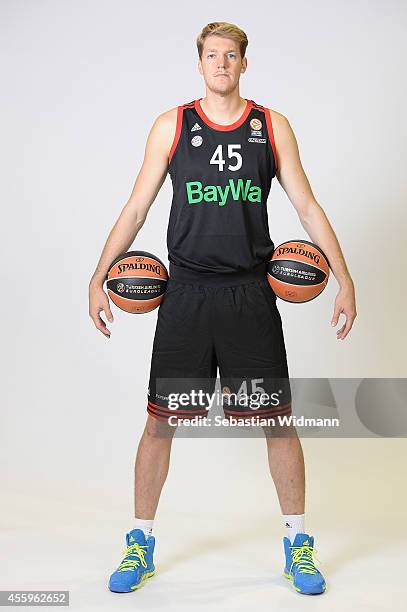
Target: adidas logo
[306, 543]
[131, 539]
[196, 127]
[287, 525]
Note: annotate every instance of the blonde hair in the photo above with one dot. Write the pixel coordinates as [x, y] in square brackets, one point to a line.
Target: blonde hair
[225, 30]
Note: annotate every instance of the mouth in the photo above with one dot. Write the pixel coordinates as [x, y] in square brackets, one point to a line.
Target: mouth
[221, 75]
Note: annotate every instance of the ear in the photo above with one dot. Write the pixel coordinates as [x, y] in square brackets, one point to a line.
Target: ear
[200, 66]
[244, 65]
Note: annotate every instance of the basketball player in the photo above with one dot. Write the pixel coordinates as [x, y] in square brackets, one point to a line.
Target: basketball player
[222, 152]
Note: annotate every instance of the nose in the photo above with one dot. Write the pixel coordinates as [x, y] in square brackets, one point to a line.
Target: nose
[222, 62]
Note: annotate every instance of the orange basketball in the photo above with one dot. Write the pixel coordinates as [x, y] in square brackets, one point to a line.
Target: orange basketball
[298, 271]
[136, 282]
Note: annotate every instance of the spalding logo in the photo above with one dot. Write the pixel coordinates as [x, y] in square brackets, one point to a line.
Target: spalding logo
[299, 251]
[125, 267]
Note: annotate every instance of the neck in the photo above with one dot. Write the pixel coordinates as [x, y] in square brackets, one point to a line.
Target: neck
[223, 109]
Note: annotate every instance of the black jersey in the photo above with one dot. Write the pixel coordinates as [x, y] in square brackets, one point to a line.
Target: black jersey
[221, 176]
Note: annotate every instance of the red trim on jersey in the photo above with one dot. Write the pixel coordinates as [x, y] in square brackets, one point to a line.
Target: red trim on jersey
[177, 132]
[218, 126]
[174, 413]
[259, 107]
[158, 418]
[257, 412]
[168, 411]
[271, 133]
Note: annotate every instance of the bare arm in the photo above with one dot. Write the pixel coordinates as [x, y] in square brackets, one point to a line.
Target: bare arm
[133, 215]
[294, 181]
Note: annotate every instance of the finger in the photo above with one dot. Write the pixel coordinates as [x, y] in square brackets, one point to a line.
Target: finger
[108, 312]
[343, 332]
[100, 324]
[337, 312]
[340, 331]
[102, 327]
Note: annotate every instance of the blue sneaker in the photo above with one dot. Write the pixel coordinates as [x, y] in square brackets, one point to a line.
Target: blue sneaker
[137, 564]
[299, 565]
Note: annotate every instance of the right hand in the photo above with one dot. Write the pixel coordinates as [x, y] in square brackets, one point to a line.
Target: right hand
[98, 302]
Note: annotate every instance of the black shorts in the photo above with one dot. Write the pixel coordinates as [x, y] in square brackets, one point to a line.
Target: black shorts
[230, 321]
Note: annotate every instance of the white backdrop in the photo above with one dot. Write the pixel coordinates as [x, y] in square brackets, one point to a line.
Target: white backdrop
[82, 84]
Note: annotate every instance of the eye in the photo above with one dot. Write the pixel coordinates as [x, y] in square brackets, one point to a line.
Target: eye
[211, 55]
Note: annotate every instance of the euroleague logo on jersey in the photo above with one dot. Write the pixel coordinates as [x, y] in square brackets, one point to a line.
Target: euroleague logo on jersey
[256, 126]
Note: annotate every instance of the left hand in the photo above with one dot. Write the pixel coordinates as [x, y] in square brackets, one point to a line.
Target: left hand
[344, 303]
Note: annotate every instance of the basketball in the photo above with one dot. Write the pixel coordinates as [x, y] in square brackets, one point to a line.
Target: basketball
[136, 282]
[298, 271]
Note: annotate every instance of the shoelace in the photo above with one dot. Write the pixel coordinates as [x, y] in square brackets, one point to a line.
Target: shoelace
[303, 557]
[130, 564]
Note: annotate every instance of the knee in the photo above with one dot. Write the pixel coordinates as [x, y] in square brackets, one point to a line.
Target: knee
[158, 429]
[282, 431]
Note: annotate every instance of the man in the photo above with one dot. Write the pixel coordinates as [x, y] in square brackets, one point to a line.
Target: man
[222, 152]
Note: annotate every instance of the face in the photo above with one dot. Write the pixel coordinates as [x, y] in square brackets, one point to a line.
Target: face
[221, 64]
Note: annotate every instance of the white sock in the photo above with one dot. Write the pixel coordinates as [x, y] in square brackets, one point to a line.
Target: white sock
[294, 523]
[144, 524]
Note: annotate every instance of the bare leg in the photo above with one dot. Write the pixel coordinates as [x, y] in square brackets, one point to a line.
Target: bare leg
[286, 461]
[151, 466]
